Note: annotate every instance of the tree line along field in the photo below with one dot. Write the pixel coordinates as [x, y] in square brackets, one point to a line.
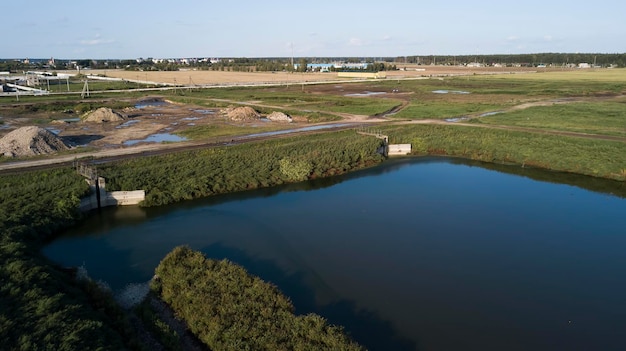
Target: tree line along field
[42, 306]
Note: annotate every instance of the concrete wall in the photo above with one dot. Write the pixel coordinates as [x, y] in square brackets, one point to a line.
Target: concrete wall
[399, 149]
[114, 198]
[124, 198]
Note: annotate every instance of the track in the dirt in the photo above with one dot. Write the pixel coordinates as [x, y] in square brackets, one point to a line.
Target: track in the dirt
[23, 166]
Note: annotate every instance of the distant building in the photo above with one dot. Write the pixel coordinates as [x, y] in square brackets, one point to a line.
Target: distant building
[584, 65]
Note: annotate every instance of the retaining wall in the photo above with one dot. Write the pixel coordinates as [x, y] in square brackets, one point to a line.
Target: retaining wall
[399, 149]
[99, 197]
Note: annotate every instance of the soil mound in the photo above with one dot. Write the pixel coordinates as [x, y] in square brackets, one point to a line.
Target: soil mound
[30, 141]
[244, 113]
[279, 117]
[104, 114]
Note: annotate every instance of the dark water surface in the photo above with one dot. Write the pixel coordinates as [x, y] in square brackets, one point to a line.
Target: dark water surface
[417, 254]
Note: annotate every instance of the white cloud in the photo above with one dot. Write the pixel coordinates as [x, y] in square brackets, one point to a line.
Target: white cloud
[512, 38]
[355, 42]
[547, 38]
[96, 41]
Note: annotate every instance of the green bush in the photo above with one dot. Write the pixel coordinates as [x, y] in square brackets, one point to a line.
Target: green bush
[229, 309]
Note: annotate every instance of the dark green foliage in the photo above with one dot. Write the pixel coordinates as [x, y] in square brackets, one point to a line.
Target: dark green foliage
[188, 175]
[528, 60]
[41, 307]
[42, 201]
[228, 309]
[161, 330]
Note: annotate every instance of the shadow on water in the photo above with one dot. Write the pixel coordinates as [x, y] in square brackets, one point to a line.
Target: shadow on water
[364, 326]
[138, 215]
[82, 139]
[598, 185]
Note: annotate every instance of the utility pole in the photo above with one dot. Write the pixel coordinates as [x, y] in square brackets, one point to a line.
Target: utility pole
[85, 92]
[291, 55]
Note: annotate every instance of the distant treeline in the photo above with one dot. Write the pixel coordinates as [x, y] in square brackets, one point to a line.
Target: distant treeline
[530, 60]
[246, 64]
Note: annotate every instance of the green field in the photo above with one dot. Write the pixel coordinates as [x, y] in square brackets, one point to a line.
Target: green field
[598, 158]
[604, 118]
[292, 100]
[483, 94]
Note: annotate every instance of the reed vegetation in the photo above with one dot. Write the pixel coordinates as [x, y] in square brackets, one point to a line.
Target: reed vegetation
[229, 309]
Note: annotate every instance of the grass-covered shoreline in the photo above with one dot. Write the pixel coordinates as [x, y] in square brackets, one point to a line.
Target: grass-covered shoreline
[592, 157]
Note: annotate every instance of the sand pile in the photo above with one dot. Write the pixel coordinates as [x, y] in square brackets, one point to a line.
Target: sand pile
[29, 141]
[279, 117]
[104, 114]
[242, 114]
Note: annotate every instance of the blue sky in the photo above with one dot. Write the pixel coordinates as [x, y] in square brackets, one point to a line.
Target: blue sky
[242, 28]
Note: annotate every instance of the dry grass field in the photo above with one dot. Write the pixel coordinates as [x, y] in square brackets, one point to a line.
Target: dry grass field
[193, 77]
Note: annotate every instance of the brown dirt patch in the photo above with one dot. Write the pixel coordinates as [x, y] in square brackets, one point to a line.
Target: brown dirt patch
[241, 114]
[30, 141]
[103, 115]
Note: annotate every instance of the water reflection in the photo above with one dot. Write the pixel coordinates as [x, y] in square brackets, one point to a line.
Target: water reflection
[287, 131]
[429, 254]
[156, 138]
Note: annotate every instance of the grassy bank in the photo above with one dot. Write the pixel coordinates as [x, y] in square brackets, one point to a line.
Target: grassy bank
[188, 175]
[598, 158]
[43, 307]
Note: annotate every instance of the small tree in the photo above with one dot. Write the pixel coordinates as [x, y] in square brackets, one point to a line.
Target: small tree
[302, 65]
